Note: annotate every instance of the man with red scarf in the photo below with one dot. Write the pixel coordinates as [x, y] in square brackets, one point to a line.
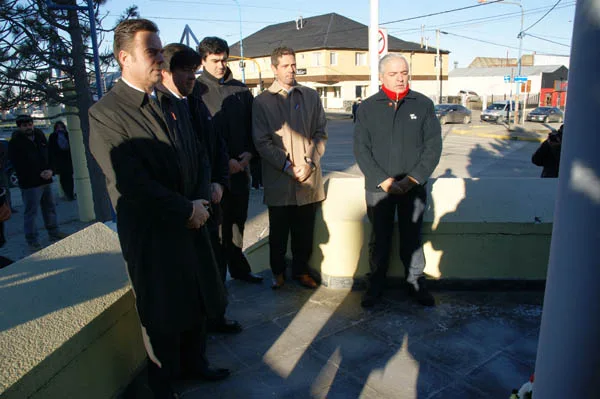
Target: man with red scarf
[397, 145]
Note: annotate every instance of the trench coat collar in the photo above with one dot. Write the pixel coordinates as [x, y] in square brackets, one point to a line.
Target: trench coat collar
[276, 88]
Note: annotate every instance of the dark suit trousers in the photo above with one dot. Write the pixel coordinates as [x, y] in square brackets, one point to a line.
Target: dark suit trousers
[381, 208]
[181, 354]
[235, 213]
[299, 222]
[67, 184]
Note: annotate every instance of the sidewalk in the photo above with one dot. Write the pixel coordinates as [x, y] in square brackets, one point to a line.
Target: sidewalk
[299, 343]
[16, 246]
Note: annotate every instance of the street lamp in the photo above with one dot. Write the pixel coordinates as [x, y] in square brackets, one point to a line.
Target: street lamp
[90, 9]
[242, 66]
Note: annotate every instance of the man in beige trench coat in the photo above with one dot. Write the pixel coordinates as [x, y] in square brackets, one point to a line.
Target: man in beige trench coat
[288, 122]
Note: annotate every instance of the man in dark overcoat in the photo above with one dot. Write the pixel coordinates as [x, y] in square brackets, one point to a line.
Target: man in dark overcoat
[157, 180]
[230, 104]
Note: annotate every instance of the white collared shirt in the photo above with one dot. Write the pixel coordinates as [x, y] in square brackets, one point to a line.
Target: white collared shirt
[153, 94]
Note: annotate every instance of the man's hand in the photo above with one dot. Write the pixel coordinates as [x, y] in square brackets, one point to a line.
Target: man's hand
[46, 174]
[302, 172]
[403, 186]
[386, 185]
[244, 159]
[199, 215]
[216, 192]
[234, 166]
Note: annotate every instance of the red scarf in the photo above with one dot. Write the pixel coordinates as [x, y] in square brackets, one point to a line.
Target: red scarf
[392, 95]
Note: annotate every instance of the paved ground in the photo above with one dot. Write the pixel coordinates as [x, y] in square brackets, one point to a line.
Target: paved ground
[299, 343]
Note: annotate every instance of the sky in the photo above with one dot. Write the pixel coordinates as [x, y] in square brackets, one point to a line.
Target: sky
[489, 30]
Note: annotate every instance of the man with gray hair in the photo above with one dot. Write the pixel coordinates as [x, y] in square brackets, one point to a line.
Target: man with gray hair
[397, 145]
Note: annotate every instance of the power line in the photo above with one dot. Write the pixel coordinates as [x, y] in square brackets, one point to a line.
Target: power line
[474, 21]
[547, 40]
[441, 12]
[498, 44]
[543, 16]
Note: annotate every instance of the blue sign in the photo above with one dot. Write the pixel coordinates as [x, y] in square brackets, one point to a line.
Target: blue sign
[521, 79]
[506, 78]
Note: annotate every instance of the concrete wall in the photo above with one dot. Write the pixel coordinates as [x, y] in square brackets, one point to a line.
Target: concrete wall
[475, 229]
[68, 325]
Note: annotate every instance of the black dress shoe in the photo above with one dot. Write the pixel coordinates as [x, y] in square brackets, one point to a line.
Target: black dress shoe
[225, 326]
[250, 278]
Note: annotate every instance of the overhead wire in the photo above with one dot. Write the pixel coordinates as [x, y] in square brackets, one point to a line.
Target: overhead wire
[543, 16]
[547, 40]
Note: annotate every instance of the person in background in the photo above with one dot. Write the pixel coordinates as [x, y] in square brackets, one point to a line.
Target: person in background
[548, 154]
[28, 151]
[355, 108]
[60, 158]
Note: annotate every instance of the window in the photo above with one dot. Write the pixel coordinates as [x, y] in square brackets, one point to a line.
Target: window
[333, 58]
[317, 59]
[360, 91]
[337, 92]
[321, 91]
[360, 59]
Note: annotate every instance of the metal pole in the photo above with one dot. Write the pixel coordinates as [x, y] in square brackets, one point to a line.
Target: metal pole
[517, 89]
[242, 66]
[438, 69]
[567, 363]
[373, 47]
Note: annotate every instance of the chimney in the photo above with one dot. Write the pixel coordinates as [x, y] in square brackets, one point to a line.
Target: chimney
[299, 23]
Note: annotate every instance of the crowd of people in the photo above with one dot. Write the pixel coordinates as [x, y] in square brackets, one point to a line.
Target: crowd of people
[178, 151]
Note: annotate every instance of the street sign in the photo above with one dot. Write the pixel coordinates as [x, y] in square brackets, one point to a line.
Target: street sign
[382, 42]
[506, 78]
[521, 79]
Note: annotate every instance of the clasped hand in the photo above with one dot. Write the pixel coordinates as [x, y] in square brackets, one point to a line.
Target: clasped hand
[200, 214]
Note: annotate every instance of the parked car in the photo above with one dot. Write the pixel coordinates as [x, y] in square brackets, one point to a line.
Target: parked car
[13, 180]
[545, 114]
[497, 111]
[452, 113]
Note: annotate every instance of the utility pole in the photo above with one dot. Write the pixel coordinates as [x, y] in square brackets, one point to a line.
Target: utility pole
[374, 47]
[242, 65]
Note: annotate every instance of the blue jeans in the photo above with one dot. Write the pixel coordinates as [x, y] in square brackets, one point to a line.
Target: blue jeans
[32, 197]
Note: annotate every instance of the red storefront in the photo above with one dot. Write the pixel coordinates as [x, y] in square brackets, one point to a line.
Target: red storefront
[555, 96]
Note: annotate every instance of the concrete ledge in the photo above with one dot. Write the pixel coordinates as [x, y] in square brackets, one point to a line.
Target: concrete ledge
[474, 229]
[68, 326]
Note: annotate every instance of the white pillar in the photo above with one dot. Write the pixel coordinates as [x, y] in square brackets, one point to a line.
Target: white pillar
[373, 47]
[568, 357]
[81, 175]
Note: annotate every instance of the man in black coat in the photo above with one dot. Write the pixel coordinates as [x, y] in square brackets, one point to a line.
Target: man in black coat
[28, 152]
[230, 104]
[548, 154]
[397, 145]
[155, 172]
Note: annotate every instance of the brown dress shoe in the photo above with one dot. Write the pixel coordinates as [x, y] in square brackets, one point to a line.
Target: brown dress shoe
[278, 281]
[307, 281]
